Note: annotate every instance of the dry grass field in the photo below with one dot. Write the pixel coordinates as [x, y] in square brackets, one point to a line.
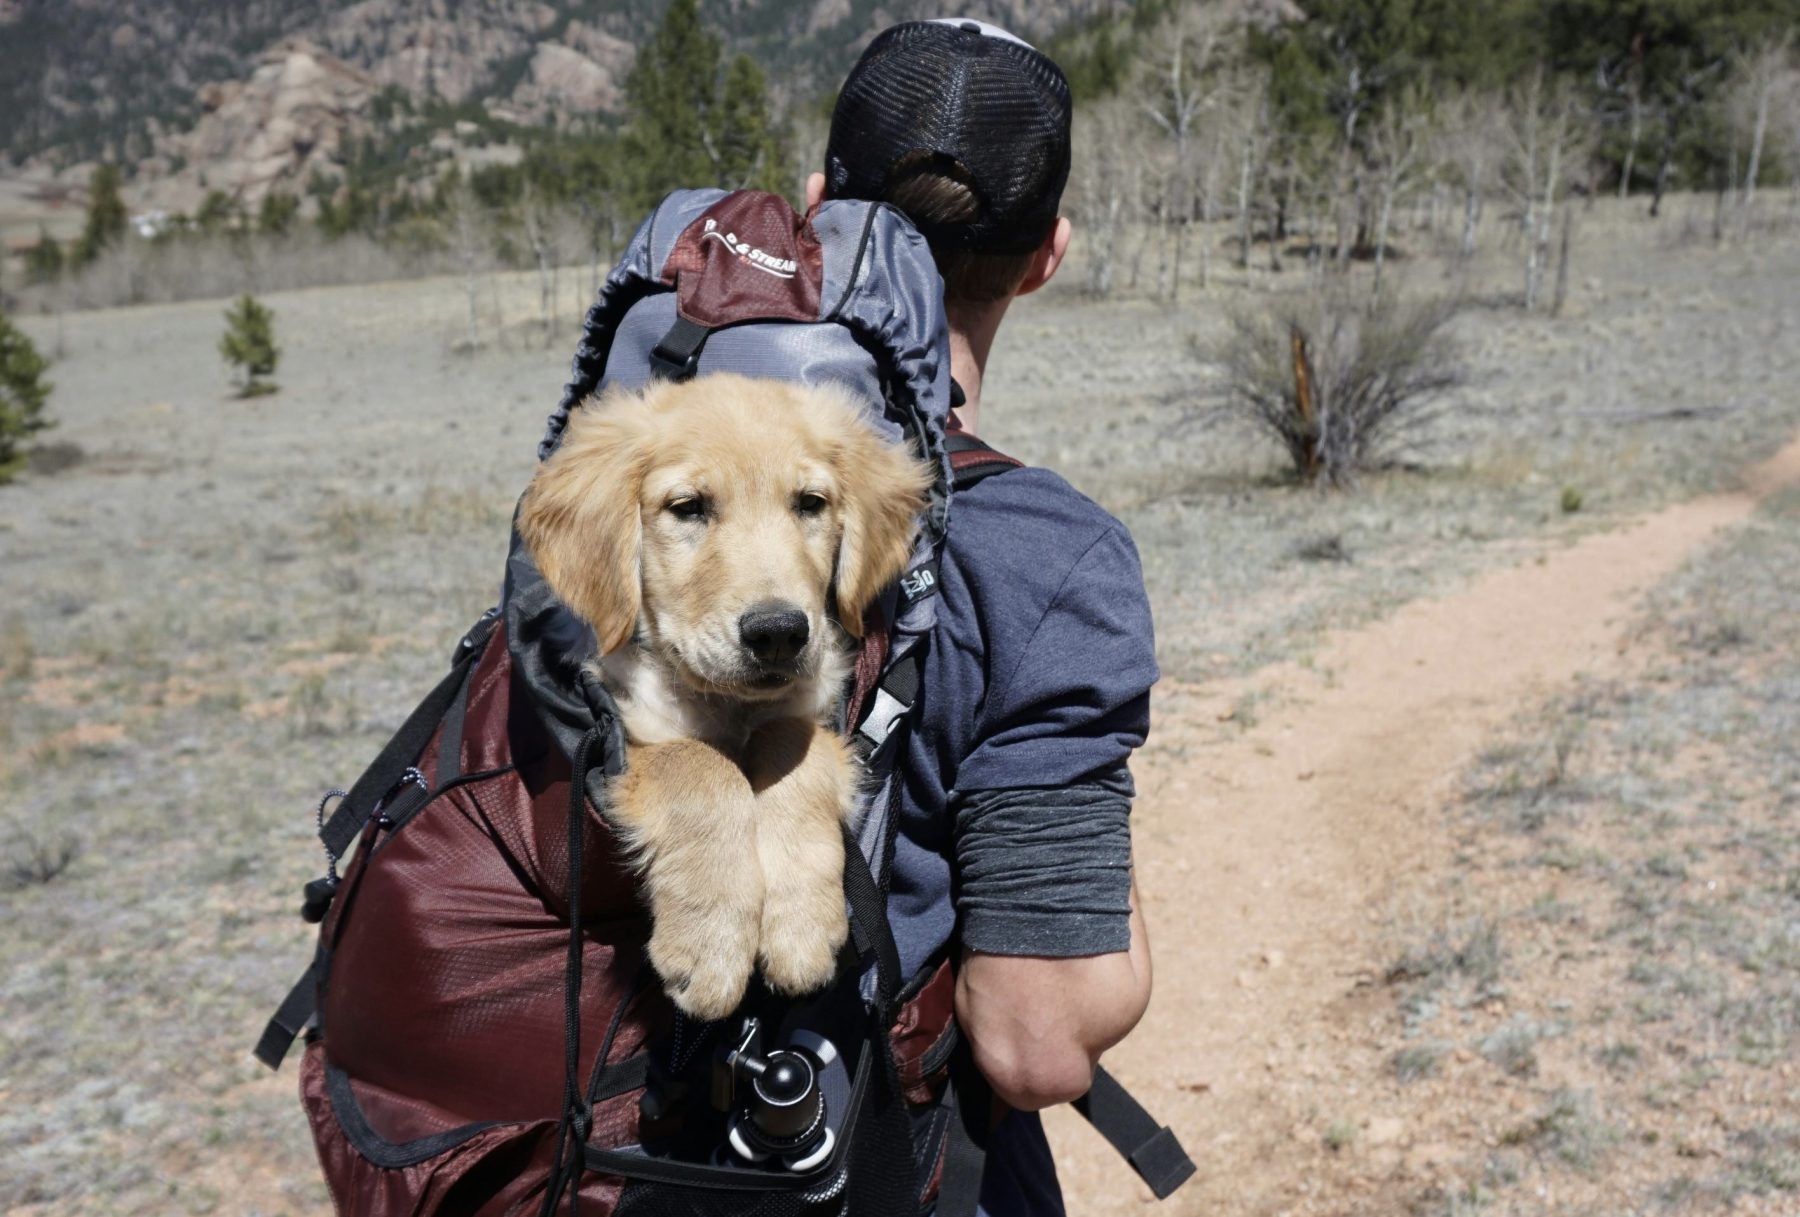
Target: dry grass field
[1468, 823]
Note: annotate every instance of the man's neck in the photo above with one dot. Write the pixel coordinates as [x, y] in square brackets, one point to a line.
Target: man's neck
[971, 338]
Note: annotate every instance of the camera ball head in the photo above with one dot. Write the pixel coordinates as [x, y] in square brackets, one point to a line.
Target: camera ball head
[778, 1106]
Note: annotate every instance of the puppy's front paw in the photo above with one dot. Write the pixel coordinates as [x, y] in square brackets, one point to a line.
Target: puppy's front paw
[705, 960]
[802, 931]
[800, 955]
[805, 788]
[686, 812]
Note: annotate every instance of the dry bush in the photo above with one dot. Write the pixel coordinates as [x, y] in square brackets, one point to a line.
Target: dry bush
[1343, 385]
[48, 460]
[36, 856]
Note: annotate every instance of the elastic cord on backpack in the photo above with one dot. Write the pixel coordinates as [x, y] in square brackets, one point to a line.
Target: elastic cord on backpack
[577, 1117]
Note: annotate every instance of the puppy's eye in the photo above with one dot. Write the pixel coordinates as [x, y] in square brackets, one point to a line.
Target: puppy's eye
[809, 504]
[693, 508]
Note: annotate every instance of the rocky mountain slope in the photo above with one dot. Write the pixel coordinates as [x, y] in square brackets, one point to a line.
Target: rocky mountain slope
[82, 79]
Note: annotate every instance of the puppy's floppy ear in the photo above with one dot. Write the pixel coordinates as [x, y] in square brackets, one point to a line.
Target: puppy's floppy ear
[580, 516]
[883, 488]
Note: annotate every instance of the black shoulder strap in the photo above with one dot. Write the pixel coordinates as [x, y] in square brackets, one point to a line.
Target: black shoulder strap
[384, 773]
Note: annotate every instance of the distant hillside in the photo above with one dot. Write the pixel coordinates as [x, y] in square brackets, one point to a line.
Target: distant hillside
[83, 79]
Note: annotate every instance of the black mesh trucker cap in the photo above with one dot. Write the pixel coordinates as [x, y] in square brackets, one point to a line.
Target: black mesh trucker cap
[970, 97]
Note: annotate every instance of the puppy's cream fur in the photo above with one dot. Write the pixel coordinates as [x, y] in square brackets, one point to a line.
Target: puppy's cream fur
[663, 518]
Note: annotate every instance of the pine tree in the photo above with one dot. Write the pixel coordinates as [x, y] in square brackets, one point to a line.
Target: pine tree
[750, 147]
[23, 392]
[672, 93]
[106, 216]
[276, 215]
[218, 213]
[249, 345]
[44, 261]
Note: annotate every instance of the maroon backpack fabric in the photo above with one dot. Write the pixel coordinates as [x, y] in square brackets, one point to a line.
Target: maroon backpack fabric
[434, 1078]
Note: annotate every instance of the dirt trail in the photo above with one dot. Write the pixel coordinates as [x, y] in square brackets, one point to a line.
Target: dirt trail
[1269, 861]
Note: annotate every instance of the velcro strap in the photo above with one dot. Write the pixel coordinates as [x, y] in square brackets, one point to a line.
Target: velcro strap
[1151, 1148]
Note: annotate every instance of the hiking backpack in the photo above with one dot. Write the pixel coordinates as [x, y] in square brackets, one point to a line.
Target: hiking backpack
[483, 1033]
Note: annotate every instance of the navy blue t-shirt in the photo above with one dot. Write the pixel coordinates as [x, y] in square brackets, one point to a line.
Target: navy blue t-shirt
[1037, 675]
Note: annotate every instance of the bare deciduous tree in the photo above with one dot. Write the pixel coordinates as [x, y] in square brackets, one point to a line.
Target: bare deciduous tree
[1543, 136]
[1175, 93]
[1108, 151]
[1690, 84]
[1764, 74]
[1255, 133]
[1621, 86]
[1472, 143]
[462, 218]
[1398, 143]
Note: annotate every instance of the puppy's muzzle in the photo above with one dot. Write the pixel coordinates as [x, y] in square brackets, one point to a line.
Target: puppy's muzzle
[775, 634]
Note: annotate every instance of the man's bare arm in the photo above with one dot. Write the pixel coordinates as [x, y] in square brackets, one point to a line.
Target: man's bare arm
[1038, 1025]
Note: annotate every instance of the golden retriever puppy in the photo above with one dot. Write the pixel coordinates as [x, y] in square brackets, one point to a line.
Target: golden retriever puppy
[723, 536]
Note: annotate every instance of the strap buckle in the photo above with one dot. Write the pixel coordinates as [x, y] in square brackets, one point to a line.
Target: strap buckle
[677, 356]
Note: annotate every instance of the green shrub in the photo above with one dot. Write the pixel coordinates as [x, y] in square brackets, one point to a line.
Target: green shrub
[23, 392]
[249, 345]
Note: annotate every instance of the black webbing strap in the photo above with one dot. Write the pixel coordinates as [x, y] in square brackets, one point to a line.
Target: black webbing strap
[577, 1114]
[291, 1018]
[677, 356]
[870, 932]
[965, 1141]
[354, 810]
[450, 741]
[1151, 1148]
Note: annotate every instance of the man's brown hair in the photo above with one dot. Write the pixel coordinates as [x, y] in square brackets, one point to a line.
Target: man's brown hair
[933, 193]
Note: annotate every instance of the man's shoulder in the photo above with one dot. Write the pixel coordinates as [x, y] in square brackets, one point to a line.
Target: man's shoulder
[1026, 504]
[1025, 539]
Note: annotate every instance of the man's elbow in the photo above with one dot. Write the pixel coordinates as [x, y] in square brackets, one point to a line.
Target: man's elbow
[1031, 1076]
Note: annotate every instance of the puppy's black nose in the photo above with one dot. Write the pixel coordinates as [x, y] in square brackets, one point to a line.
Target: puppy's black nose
[773, 632]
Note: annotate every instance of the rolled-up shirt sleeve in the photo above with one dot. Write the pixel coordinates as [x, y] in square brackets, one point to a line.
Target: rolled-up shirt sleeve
[1047, 871]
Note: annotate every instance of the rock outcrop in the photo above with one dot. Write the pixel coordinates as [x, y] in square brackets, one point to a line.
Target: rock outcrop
[295, 114]
[580, 76]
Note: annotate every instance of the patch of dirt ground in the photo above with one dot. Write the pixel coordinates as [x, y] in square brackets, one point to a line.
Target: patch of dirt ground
[1280, 868]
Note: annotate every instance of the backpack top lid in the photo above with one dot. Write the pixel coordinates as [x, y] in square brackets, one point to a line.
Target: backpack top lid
[847, 293]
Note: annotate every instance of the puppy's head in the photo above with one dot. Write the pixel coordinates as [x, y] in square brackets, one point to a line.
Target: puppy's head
[725, 522]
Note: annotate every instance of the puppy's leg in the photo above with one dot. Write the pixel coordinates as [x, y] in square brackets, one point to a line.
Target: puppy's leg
[805, 786]
[686, 811]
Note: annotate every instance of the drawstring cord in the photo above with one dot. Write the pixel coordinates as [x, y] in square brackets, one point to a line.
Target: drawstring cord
[577, 1115]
